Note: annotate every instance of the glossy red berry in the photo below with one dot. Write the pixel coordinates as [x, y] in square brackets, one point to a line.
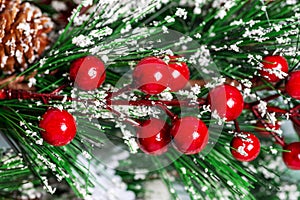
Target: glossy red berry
[153, 136]
[266, 129]
[292, 86]
[292, 158]
[245, 147]
[151, 75]
[88, 72]
[59, 127]
[190, 135]
[227, 101]
[273, 68]
[180, 74]
[3, 94]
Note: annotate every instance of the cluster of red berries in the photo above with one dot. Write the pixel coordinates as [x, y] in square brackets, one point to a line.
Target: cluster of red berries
[152, 75]
[275, 65]
[228, 102]
[189, 135]
[278, 64]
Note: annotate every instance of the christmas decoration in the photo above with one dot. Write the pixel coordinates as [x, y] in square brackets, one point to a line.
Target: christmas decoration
[216, 59]
[227, 101]
[190, 135]
[88, 72]
[58, 127]
[23, 35]
[245, 147]
[151, 75]
[292, 155]
[274, 68]
[180, 74]
[153, 136]
[292, 85]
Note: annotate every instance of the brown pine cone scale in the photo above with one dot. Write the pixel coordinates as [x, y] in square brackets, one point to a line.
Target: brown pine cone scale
[23, 35]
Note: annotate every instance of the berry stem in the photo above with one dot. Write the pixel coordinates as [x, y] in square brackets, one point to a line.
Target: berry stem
[278, 139]
[237, 127]
[295, 120]
[122, 90]
[9, 94]
[145, 102]
[60, 88]
[123, 117]
[169, 113]
[276, 110]
[251, 105]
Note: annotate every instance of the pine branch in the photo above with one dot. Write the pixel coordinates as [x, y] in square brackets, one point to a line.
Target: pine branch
[235, 48]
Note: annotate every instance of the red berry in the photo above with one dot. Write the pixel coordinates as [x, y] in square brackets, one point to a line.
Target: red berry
[59, 127]
[227, 101]
[180, 74]
[245, 147]
[271, 64]
[292, 86]
[151, 75]
[88, 72]
[153, 136]
[3, 94]
[266, 129]
[292, 158]
[190, 135]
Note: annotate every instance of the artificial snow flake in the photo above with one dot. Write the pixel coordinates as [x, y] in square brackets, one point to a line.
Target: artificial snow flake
[31, 82]
[126, 29]
[182, 13]
[196, 89]
[262, 108]
[221, 14]
[247, 83]
[272, 118]
[166, 95]
[237, 23]
[133, 145]
[87, 155]
[273, 151]
[264, 8]
[216, 116]
[234, 47]
[82, 41]
[201, 57]
[291, 2]
[216, 81]
[169, 19]
[39, 142]
[165, 29]
[247, 93]
[197, 10]
[87, 3]
[102, 32]
[197, 35]
[140, 174]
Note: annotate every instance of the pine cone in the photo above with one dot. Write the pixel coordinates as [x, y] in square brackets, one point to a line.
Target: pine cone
[23, 34]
